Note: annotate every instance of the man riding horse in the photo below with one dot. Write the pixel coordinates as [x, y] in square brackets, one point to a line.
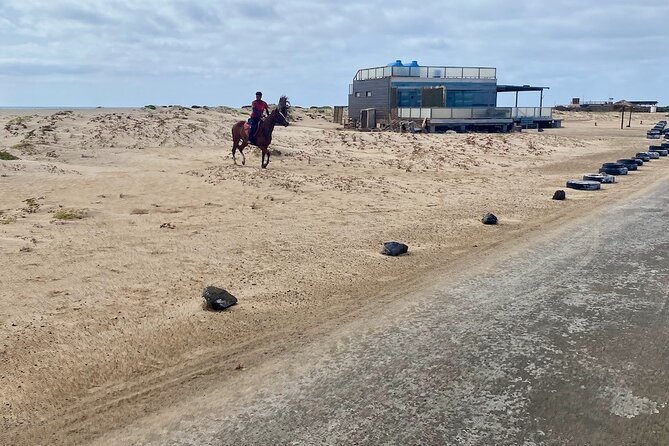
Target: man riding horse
[262, 137]
[258, 109]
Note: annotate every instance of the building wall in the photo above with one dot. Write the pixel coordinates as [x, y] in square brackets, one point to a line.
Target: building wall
[379, 89]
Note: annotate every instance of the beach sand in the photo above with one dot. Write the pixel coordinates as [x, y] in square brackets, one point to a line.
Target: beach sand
[101, 315]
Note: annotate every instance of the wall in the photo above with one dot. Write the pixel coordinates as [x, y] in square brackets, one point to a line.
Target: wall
[379, 99]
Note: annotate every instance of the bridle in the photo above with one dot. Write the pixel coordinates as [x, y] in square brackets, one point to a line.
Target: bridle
[283, 116]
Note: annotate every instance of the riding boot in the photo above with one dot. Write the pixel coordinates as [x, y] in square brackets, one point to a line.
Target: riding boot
[252, 131]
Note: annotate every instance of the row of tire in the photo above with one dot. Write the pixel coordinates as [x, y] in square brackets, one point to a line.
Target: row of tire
[609, 171]
[658, 130]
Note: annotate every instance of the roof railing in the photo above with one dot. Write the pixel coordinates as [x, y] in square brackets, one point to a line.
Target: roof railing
[487, 73]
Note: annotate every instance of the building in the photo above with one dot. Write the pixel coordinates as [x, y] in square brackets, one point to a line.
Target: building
[605, 106]
[443, 98]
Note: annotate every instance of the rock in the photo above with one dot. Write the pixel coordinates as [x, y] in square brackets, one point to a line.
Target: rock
[559, 195]
[394, 249]
[217, 298]
[489, 219]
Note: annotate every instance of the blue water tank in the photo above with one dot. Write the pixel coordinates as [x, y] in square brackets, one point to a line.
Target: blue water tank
[412, 64]
[397, 63]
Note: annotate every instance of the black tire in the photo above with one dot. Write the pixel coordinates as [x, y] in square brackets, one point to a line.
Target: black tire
[629, 163]
[599, 177]
[613, 165]
[583, 185]
[614, 170]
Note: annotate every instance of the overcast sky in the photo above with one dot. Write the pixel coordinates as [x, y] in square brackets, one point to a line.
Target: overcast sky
[219, 52]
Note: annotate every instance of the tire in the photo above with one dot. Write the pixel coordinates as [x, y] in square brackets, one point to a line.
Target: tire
[614, 170]
[613, 165]
[583, 185]
[629, 163]
[599, 177]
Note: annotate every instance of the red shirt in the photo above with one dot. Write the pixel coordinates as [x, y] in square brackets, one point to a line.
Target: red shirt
[259, 106]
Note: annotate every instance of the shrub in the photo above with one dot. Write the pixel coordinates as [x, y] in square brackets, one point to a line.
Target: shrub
[69, 214]
[6, 156]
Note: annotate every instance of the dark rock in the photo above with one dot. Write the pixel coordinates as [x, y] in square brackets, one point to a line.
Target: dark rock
[394, 249]
[217, 298]
[559, 195]
[489, 219]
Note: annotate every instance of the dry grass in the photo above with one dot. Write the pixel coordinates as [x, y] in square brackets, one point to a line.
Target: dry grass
[69, 214]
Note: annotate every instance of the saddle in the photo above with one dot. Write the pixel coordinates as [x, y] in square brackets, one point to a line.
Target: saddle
[247, 126]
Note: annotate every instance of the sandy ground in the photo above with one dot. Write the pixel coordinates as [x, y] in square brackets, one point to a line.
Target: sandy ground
[101, 319]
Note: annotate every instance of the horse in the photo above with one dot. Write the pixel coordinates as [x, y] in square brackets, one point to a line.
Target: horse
[264, 135]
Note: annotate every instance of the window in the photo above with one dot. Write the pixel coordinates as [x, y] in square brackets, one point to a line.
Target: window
[408, 97]
[368, 94]
[357, 94]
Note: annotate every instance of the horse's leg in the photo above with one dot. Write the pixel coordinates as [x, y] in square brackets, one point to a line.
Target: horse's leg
[262, 159]
[241, 150]
[234, 148]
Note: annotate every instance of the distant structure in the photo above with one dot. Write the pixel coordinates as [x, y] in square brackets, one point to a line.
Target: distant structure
[637, 106]
[440, 98]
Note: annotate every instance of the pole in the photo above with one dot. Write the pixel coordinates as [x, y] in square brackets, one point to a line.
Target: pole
[541, 99]
[516, 99]
[622, 118]
[629, 124]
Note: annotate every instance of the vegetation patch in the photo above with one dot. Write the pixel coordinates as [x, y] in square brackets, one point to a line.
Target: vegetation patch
[6, 156]
[69, 214]
[19, 121]
[25, 147]
[32, 205]
[7, 220]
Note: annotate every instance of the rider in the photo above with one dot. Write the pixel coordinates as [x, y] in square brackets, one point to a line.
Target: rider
[258, 109]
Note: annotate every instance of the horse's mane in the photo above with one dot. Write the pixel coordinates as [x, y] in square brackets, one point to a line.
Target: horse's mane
[284, 105]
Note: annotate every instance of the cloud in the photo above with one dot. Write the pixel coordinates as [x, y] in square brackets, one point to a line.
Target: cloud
[225, 49]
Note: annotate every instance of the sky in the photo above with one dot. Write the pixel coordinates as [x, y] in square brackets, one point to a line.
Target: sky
[219, 52]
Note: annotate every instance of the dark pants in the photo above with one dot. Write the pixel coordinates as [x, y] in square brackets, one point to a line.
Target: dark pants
[252, 130]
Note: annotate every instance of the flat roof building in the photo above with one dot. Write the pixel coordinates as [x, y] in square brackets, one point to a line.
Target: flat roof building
[458, 98]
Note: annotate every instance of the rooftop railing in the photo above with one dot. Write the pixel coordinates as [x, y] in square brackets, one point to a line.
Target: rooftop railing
[475, 112]
[427, 72]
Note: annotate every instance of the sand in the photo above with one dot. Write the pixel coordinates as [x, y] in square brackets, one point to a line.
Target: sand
[101, 316]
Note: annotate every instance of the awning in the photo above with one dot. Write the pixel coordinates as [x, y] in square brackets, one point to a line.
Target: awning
[516, 88]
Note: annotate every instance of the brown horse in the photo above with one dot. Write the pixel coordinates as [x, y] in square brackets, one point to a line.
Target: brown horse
[264, 136]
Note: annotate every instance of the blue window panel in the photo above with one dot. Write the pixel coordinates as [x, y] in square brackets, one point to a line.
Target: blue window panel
[408, 97]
